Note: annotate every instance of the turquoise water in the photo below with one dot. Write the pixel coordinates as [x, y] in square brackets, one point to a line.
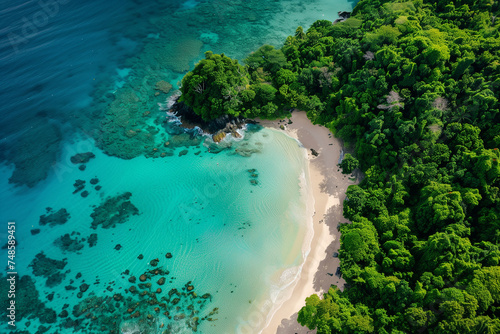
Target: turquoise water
[230, 238]
[236, 222]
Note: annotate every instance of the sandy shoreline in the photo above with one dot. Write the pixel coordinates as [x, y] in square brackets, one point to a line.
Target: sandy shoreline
[329, 186]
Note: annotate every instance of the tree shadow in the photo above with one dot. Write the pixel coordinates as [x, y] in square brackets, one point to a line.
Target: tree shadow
[291, 326]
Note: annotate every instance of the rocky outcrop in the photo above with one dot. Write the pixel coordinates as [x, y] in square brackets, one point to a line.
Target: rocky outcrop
[190, 119]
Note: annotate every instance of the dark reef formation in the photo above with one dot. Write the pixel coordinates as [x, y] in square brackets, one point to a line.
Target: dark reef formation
[92, 239]
[28, 304]
[49, 268]
[141, 304]
[54, 218]
[79, 186]
[82, 158]
[68, 244]
[114, 210]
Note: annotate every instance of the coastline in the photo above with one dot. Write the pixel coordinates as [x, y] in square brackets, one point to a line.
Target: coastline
[328, 187]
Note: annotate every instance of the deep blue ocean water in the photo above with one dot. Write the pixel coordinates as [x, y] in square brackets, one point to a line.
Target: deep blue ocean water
[237, 243]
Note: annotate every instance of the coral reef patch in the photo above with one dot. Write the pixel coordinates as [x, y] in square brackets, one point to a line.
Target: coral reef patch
[82, 158]
[68, 244]
[28, 304]
[48, 268]
[54, 218]
[114, 210]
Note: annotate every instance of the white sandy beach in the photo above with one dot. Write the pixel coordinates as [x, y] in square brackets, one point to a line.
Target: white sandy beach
[329, 187]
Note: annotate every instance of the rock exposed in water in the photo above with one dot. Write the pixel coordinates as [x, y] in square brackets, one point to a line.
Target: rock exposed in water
[84, 287]
[219, 136]
[190, 119]
[168, 255]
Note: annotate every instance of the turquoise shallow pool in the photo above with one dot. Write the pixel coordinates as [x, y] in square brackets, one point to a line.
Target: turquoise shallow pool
[229, 237]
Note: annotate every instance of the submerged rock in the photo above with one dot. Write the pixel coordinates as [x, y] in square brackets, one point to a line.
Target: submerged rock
[114, 210]
[68, 244]
[82, 158]
[92, 240]
[79, 185]
[54, 218]
[163, 86]
[28, 304]
[48, 268]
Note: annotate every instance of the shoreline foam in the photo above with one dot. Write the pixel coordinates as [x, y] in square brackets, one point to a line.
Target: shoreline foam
[328, 186]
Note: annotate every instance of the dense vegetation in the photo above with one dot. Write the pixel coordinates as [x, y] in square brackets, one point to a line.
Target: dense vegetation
[414, 88]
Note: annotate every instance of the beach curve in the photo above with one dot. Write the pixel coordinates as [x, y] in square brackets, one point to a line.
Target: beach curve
[328, 189]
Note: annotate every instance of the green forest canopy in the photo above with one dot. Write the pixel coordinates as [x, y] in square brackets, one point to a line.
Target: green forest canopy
[413, 87]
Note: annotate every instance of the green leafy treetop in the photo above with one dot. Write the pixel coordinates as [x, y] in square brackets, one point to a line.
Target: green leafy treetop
[217, 86]
[349, 163]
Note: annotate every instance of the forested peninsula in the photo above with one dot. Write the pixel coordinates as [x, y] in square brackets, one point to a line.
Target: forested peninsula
[412, 88]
